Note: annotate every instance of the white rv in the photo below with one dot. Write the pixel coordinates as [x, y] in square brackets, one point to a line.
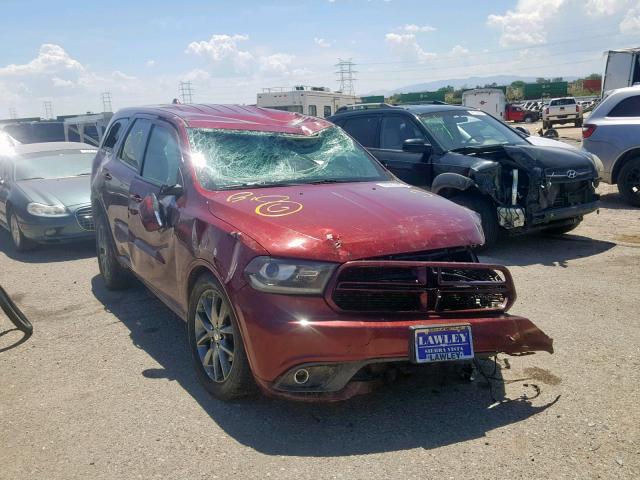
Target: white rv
[314, 101]
[489, 100]
[621, 69]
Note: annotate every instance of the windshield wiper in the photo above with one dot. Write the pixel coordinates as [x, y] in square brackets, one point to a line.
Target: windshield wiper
[258, 185]
[83, 174]
[477, 148]
[31, 178]
[329, 180]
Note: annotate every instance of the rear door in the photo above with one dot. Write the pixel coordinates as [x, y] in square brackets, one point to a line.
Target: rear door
[152, 254]
[364, 128]
[118, 171]
[412, 168]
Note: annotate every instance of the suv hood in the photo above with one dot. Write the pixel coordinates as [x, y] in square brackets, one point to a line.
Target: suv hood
[67, 191]
[530, 156]
[341, 222]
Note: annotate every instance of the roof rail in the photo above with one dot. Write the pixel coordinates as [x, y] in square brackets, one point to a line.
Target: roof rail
[363, 106]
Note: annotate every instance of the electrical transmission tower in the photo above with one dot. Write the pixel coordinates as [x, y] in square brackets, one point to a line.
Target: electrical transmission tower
[345, 74]
[12, 113]
[186, 92]
[48, 110]
[106, 102]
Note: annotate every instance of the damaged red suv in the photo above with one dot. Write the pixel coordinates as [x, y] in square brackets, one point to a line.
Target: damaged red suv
[299, 263]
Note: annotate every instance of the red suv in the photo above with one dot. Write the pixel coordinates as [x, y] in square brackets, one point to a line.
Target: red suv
[299, 263]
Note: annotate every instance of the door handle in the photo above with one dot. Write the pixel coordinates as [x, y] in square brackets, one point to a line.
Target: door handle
[136, 198]
[107, 175]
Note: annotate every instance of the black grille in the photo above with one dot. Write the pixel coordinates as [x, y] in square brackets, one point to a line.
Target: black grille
[84, 216]
[410, 286]
[571, 193]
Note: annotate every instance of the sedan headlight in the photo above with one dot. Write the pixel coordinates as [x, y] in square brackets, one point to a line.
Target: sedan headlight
[297, 277]
[40, 210]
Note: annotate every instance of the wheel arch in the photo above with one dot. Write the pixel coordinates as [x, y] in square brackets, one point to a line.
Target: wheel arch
[449, 184]
[621, 161]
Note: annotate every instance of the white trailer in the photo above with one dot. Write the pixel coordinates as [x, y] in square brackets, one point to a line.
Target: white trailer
[489, 100]
[621, 69]
[314, 101]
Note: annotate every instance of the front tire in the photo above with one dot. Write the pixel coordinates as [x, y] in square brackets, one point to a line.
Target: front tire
[215, 342]
[115, 276]
[488, 215]
[20, 242]
[528, 119]
[629, 182]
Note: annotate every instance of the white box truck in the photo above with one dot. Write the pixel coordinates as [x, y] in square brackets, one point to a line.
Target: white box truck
[489, 100]
[621, 69]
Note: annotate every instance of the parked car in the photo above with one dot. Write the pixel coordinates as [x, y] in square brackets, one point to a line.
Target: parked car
[561, 111]
[45, 193]
[515, 113]
[613, 134]
[298, 262]
[481, 163]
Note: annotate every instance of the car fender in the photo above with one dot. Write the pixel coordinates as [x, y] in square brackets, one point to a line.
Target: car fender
[451, 180]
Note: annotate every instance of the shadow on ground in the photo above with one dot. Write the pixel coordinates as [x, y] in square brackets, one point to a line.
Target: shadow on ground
[417, 411]
[47, 253]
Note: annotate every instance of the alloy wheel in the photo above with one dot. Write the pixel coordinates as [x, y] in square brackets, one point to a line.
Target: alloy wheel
[102, 248]
[15, 231]
[214, 335]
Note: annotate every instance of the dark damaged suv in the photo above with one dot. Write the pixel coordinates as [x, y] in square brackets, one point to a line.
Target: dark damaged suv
[479, 162]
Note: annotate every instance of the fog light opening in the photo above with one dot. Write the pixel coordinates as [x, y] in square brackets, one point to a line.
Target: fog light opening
[301, 376]
[50, 232]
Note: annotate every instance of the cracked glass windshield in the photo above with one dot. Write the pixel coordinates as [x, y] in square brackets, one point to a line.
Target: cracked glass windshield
[227, 159]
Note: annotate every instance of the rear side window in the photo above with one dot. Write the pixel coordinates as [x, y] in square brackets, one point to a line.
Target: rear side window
[364, 129]
[629, 107]
[115, 132]
[395, 130]
[134, 144]
[162, 158]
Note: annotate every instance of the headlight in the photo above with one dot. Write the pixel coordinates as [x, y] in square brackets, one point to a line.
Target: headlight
[297, 277]
[40, 210]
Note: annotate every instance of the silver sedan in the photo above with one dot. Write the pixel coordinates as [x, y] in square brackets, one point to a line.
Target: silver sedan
[612, 133]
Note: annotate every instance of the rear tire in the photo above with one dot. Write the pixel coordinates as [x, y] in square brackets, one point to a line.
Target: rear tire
[577, 123]
[20, 242]
[115, 276]
[563, 229]
[488, 215]
[629, 182]
[546, 125]
[528, 119]
[215, 342]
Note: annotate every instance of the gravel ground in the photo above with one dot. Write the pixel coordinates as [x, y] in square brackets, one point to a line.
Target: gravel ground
[104, 388]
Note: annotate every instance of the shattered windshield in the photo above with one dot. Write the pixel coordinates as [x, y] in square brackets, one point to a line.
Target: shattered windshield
[460, 129]
[226, 159]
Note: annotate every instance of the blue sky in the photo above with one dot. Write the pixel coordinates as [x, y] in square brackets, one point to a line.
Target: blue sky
[70, 52]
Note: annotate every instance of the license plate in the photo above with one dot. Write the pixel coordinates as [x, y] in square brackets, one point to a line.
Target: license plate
[441, 343]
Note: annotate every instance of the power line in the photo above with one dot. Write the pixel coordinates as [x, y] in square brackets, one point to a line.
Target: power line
[48, 110]
[186, 92]
[345, 74]
[106, 102]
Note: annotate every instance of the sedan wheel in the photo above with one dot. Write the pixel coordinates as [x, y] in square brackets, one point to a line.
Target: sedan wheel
[214, 335]
[20, 242]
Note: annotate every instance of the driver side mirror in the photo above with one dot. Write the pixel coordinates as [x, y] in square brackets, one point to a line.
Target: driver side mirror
[151, 214]
[175, 190]
[416, 145]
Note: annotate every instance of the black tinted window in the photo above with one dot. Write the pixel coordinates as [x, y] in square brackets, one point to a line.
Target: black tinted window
[162, 159]
[629, 107]
[134, 144]
[327, 111]
[115, 132]
[562, 102]
[395, 130]
[363, 128]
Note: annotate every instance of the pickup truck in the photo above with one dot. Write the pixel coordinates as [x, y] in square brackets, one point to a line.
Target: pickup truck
[562, 110]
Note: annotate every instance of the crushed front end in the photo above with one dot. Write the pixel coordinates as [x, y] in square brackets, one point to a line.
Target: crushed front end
[381, 314]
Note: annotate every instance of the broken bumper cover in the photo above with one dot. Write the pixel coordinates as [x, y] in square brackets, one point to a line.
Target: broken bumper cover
[334, 347]
[553, 215]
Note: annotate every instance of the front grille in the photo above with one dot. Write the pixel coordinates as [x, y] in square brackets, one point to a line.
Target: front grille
[414, 286]
[84, 216]
[570, 193]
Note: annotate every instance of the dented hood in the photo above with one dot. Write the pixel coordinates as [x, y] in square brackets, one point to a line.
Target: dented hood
[531, 156]
[340, 222]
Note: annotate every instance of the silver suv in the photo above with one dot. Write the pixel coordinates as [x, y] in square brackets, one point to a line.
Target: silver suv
[613, 134]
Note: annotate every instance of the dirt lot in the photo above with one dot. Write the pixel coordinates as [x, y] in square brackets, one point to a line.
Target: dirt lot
[104, 389]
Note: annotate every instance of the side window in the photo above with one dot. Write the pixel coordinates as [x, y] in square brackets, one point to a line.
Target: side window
[327, 111]
[134, 144]
[313, 111]
[395, 130]
[364, 129]
[115, 132]
[163, 157]
[629, 107]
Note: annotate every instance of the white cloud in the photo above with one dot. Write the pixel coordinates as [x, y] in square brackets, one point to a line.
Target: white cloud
[223, 49]
[405, 45]
[631, 22]
[150, 63]
[278, 63]
[413, 28]
[604, 7]
[321, 42]
[50, 58]
[525, 25]
[459, 50]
